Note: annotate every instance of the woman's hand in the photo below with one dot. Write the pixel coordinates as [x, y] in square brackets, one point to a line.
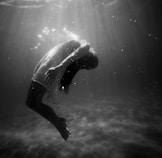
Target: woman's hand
[51, 74]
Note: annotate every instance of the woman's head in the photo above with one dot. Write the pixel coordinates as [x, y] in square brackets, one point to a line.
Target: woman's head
[90, 61]
[87, 59]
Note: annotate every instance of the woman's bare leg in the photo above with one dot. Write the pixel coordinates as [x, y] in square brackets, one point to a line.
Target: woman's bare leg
[34, 101]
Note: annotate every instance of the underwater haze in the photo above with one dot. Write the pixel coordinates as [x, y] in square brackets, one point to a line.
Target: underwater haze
[114, 110]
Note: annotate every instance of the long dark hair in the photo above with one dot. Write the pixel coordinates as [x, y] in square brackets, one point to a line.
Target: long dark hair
[89, 61]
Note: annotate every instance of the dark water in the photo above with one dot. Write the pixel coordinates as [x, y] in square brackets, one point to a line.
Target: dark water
[113, 110]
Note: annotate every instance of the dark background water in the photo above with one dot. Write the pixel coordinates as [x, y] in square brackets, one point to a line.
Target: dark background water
[127, 36]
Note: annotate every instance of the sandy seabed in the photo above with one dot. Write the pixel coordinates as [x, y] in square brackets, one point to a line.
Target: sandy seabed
[101, 128]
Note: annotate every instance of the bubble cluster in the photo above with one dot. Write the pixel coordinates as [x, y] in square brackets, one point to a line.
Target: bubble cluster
[51, 36]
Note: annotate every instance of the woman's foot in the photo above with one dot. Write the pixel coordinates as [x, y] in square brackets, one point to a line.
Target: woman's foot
[62, 128]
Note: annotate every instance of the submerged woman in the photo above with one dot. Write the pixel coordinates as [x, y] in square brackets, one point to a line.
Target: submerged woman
[56, 70]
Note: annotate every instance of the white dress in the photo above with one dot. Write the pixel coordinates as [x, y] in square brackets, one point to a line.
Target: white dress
[53, 58]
